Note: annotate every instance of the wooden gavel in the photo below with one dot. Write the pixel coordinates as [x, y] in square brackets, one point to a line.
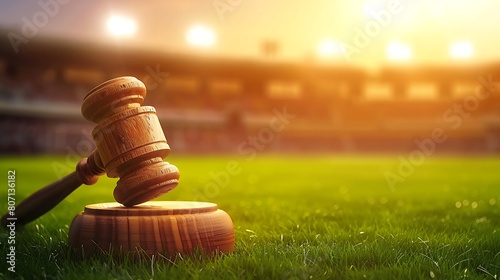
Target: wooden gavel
[130, 144]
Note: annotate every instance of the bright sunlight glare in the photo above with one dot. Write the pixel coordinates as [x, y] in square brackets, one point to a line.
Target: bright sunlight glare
[328, 48]
[461, 49]
[200, 36]
[121, 26]
[398, 51]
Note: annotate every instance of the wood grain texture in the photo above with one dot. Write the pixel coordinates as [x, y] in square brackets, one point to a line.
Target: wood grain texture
[130, 140]
[87, 172]
[166, 227]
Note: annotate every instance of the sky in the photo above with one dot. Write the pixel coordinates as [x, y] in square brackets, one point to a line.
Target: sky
[354, 32]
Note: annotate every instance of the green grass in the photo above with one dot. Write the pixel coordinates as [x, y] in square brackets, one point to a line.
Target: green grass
[295, 218]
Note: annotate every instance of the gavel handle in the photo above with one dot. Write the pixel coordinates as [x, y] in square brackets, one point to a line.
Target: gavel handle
[42, 201]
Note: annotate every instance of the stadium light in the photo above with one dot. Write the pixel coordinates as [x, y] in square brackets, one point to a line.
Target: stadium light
[398, 51]
[461, 49]
[121, 26]
[328, 48]
[200, 36]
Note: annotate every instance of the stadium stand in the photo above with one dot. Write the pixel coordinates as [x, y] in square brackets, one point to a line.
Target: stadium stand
[213, 105]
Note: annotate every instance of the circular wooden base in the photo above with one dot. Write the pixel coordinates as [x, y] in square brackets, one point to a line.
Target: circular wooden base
[165, 227]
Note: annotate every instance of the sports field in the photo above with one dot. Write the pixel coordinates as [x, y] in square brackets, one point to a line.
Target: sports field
[308, 217]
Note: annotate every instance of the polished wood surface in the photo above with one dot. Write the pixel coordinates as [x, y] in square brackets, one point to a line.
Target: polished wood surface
[130, 145]
[165, 227]
[130, 140]
[87, 172]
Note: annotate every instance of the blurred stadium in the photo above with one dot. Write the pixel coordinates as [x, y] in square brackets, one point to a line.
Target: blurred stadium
[212, 102]
[337, 102]
[211, 105]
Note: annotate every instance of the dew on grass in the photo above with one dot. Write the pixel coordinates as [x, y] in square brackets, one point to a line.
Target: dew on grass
[474, 205]
[481, 220]
[253, 233]
[492, 201]
[465, 202]
[458, 204]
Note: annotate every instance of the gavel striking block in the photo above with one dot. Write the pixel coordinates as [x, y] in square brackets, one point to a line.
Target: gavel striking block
[130, 144]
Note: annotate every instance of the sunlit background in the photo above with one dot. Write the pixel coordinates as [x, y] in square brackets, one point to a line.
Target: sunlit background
[361, 76]
[299, 27]
[346, 139]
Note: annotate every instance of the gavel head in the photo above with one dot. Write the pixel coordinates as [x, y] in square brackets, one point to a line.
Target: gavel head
[129, 140]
